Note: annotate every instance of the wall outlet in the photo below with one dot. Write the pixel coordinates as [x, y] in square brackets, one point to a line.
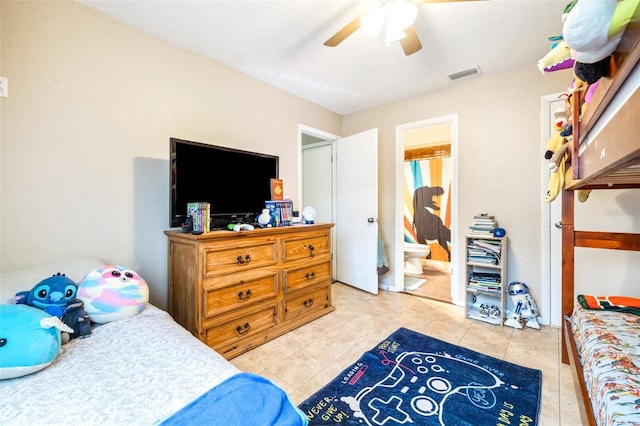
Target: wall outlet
[4, 87]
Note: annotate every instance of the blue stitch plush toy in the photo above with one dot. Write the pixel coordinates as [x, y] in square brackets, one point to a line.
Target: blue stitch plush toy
[56, 296]
[52, 295]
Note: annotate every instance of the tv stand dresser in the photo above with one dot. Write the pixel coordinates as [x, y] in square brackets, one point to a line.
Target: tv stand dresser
[237, 290]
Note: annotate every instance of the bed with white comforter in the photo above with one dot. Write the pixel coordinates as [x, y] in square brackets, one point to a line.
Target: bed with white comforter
[140, 370]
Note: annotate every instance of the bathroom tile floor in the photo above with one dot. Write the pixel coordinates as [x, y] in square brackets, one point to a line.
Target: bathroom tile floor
[305, 359]
[437, 286]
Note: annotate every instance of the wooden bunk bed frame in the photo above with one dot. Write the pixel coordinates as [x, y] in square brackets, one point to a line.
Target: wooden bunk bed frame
[611, 161]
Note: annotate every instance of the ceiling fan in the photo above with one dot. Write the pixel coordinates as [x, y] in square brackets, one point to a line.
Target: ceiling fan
[397, 16]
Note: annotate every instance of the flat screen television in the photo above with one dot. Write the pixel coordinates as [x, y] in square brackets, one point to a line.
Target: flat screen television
[236, 183]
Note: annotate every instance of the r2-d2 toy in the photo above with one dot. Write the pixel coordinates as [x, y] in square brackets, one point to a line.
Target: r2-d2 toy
[524, 307]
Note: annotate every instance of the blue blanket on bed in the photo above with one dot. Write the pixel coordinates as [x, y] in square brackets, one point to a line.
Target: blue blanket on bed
[243, 399]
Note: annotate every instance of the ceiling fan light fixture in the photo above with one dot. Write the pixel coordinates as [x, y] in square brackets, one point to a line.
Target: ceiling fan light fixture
[393, 34]
[371, 23]
[403, 13]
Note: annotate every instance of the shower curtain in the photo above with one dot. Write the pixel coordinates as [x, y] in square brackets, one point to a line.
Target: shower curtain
[427, 205]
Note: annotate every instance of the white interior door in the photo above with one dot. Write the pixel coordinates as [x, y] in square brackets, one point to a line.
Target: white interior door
[551, 241]
[357, 210]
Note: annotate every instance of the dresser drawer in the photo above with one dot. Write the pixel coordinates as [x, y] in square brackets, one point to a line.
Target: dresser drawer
[306, 302]
[238, 291]
[218, 260]
[243, 324]
[306, 247]
[296, 278]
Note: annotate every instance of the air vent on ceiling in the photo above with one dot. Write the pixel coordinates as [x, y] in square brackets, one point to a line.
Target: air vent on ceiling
[464, 74]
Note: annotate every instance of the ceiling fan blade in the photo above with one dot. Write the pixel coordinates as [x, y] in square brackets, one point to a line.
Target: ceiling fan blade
[345, 32]
[411, 43]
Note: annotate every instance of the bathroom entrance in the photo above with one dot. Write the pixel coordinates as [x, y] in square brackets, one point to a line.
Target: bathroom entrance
[428, 206]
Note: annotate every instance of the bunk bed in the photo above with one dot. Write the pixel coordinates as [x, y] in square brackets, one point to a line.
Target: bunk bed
[605, 155]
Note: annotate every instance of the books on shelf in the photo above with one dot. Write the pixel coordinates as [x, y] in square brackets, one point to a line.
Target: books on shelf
[282, 211]
[485, 281]
[484, 251]
[483, 224]
[200, 213]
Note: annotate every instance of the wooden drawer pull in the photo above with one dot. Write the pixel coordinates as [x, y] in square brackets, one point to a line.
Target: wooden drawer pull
[244, 295]
[243, 260]
[308, 303]
[310, 276]
[243, 329]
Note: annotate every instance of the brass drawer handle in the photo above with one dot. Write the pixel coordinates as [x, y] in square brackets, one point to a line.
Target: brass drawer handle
[243, 329]
[310, 276]
[308, 303]
[243, 260]
[244, 295]
[311, 251]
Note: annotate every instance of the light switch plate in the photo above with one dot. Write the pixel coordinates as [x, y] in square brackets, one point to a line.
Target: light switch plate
[4, 87]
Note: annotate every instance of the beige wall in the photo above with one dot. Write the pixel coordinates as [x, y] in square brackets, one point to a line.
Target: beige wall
[84, 140]
[85, 134]
[499, 155]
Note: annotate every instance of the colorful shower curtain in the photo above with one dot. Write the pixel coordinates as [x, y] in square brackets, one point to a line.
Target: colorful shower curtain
[427, 205]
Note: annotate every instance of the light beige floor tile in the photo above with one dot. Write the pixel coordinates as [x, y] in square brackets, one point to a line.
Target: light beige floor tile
[307, 358]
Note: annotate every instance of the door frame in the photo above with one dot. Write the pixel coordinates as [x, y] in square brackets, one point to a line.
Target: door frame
[398, 275]
[328, 138]
[550, 251]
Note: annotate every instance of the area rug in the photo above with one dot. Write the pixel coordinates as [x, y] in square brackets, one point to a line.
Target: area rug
[412, 283]
[410, 378]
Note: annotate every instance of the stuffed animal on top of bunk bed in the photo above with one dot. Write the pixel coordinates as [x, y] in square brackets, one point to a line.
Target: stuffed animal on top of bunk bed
[592, 30]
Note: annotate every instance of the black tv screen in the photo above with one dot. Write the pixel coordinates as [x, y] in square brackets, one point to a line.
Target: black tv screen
[236, 183]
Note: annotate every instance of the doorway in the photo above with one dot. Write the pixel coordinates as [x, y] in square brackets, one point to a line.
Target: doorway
[349, 197]
[439, 266]
[317, 153]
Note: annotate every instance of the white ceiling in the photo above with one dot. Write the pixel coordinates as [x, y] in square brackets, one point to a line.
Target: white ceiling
[281, 43]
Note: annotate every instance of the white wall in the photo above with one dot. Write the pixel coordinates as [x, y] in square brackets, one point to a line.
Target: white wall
[85, 134]
[499, 150]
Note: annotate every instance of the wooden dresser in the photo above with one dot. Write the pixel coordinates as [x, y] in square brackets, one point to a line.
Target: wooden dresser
[237, 290]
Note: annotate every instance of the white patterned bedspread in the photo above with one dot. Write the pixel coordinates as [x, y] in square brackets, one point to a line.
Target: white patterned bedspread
[609, 347]
[136, 371]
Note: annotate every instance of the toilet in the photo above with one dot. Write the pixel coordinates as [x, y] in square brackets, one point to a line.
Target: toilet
[413, 255]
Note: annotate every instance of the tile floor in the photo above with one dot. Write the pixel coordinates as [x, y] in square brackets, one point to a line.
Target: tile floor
[437, 286]
[305, 359]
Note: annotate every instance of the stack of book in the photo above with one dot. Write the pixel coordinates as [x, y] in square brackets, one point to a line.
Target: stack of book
[484, 251]
[485, 281]
[200, 213]
[483, 224]
[281, 211]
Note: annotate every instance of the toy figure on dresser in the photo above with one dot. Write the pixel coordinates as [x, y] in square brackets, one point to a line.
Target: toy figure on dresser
[524, 307]
[265, 219]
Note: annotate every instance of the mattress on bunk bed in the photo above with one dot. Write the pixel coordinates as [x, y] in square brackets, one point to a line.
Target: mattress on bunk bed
[608, 344]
